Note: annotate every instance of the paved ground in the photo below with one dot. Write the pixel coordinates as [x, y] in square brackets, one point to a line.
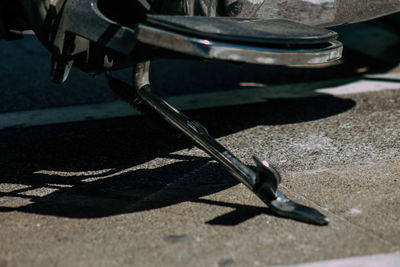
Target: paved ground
[129, 191]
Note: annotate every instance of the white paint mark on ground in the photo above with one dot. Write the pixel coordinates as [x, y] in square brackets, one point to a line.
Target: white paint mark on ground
[387, 260]
[196, 101]
[361, 86]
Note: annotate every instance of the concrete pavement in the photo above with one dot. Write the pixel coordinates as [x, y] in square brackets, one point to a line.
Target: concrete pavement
[95, 197]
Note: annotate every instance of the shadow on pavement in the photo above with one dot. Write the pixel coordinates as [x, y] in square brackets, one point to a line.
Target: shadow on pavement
[93, 169]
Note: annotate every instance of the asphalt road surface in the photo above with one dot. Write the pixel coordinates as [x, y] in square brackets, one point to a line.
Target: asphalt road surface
[86, 181]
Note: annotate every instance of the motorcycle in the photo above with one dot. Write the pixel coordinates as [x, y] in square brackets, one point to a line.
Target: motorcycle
[99, 36]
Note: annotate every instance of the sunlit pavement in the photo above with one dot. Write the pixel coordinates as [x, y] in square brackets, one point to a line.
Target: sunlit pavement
[86, 181]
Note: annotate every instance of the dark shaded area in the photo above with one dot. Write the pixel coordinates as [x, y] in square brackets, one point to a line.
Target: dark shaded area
[25, 80]
[120, 144]
[125, 12]
[25, 75]
[393, 21]
[11, 20]
[241, 213]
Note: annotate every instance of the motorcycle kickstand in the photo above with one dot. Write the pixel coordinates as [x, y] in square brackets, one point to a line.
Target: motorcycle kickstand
[264, 182]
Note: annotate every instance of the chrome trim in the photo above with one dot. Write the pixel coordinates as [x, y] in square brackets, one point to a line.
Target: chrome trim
[235, 52]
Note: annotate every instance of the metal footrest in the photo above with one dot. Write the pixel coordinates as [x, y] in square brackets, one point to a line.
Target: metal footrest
[257, 41]
[88, 37]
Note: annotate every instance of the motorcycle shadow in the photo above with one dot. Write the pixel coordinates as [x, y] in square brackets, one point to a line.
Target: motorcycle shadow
[116, 166]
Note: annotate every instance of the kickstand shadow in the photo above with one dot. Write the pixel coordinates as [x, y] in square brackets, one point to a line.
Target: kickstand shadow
[98, 169]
